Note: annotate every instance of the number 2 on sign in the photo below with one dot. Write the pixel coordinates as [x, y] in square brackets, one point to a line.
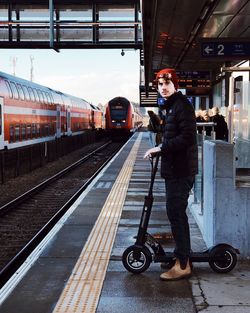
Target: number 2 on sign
[221, 49]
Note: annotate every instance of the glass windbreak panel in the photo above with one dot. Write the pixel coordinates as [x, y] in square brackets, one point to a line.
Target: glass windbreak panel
[198, 184]
[217, 94]
[241, 124]
[116, 34]
[34, 15]
[116, 13]
[3, 13]
[31, 34]
[75, 34]
[79, 13]
[4, 33]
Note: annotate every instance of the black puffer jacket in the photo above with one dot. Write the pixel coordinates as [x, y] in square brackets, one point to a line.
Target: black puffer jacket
[179, 147]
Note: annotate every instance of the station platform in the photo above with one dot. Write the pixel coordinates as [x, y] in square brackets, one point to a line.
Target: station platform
[78, 268]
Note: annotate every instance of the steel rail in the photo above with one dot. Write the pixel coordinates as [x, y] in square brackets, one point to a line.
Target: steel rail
[12, 266]
[48, 181]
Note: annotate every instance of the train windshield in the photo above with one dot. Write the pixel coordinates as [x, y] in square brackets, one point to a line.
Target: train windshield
[119, 108]
[118, 112]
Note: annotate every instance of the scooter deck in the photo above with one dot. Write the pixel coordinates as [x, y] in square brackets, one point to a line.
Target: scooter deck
[194, 257]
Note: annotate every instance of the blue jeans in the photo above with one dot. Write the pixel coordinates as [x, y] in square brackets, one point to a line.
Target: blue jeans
[177, 193]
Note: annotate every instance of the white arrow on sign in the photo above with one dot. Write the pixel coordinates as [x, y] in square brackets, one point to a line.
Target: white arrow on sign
[208, 50]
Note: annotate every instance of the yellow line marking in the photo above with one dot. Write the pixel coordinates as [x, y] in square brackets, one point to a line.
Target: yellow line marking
[82, 291]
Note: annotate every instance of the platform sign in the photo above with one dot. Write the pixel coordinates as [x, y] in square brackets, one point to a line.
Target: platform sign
[225, 49]
[194, 79]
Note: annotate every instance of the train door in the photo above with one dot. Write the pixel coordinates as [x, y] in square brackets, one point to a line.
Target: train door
[1, 125]
[58, 121]
[68, 122]
[63, 123]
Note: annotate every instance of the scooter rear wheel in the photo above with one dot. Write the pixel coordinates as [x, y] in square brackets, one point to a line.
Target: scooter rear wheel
[136, 259]
[222, 258]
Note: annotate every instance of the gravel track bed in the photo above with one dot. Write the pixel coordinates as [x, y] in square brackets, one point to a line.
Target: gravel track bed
[15, 187]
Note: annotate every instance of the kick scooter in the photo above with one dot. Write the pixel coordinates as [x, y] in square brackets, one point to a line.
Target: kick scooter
[222, 258]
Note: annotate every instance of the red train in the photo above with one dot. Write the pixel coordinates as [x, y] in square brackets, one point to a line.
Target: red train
[122, 116]
[31, 113]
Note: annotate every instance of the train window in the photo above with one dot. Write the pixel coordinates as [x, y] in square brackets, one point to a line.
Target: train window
[26, 93]
[38, 130]
[23, 131]
[11, 133]
[46, 129]
[28, 131]
[14, 90]
[36, 95]
[9, 89]
[33, 130]
[20, 90]
[17, 132]
[32, 96]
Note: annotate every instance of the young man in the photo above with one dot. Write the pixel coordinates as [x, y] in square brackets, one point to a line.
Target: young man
[179, 165]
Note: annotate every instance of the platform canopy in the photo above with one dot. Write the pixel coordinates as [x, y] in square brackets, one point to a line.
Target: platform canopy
[173, 32]
[70, 24]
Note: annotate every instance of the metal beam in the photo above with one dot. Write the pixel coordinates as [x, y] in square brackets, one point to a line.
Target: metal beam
[235, 69]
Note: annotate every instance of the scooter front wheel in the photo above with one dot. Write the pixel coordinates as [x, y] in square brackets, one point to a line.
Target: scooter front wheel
[222, 258]
[136, 259]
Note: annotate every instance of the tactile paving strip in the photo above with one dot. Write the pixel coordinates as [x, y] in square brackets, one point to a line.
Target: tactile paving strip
[82, 291]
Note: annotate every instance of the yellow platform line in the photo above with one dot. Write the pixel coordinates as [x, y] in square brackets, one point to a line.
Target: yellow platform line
[82, 291]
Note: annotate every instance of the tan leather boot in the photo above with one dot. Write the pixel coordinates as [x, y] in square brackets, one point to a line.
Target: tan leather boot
[176, 273]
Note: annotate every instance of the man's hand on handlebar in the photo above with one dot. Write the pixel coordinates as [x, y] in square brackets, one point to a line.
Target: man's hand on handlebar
[152, 152]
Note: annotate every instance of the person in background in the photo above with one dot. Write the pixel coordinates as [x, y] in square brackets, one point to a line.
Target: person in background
[154, 128]
[221, 129]
[199, 119]
[206, 119]
[179, 165]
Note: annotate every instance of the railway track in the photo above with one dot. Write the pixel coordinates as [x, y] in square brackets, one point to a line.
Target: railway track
[25, 221]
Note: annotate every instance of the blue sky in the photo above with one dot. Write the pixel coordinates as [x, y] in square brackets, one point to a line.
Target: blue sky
[93, 74]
